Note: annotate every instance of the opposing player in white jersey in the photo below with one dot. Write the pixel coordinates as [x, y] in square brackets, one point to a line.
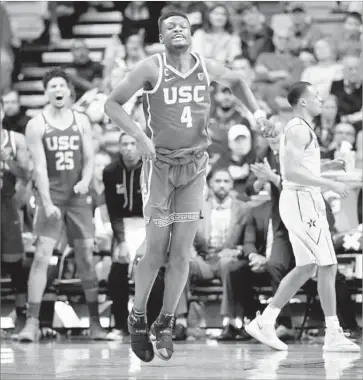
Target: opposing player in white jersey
[302, 210]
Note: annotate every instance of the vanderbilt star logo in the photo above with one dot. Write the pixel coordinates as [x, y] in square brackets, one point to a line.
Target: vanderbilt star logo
[311, 223]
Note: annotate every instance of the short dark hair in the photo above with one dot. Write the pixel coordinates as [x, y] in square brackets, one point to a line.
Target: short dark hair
[218, 169]
[170, 14]
[57, 72]
[207, 24]
[355, 15]
[296, 91]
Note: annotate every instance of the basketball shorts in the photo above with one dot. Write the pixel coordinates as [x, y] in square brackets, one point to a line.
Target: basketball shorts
[12, 248]
[173, 193]
[76, 219]
[304, 215]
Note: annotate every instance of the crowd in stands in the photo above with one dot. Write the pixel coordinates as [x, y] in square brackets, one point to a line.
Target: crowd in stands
[233, 242]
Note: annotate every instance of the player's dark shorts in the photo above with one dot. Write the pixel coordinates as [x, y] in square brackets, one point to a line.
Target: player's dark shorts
[12, 248]
[77, 219]
[173, 189]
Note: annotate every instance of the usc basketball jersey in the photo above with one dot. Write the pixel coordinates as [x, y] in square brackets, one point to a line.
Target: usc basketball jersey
[64, 155]
[311, 159]
[7, 178]
[177, 108]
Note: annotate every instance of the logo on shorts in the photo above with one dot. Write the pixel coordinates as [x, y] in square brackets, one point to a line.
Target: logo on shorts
[200, 76]
[311, 223]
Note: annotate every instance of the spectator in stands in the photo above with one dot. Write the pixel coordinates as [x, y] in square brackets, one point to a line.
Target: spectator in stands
[218, 236]
[306, 58]
[127, 58]
[101, 220]
[88, 73]
[349, 41]
[325, 123]
[304, 33]
[242, 66]
[277, 70]
[349, 92]
[7, 67]
[216, 39]
[325, 71]
[359, 147]
[141, 16]
[241, 155]
[225, 114]
[15, 118]
[343, 132]
[255, 34]
[124, 204]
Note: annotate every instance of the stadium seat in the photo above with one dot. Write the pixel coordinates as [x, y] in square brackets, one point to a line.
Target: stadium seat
[97, 29]
[29, 86]
[107, 17]
[33, 101]
[67, 57]
[92, 43]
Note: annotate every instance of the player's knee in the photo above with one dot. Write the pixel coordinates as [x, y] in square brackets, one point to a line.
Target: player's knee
[179, 261]
[308, 270]
[83, 244]
[43, 252]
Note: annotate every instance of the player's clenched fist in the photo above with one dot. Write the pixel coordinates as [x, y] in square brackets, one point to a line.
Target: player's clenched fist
[146, 148]
[52, 211]
[266, 127]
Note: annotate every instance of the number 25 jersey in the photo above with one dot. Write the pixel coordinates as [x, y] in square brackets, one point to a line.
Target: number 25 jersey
[177, 108]
[64, 155]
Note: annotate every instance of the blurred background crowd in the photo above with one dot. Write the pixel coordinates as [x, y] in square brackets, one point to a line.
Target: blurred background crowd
[270, 44]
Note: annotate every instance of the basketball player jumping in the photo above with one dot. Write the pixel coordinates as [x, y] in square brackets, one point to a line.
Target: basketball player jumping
[303, 212]
[60, 144]
[13, 167]
[176, 104]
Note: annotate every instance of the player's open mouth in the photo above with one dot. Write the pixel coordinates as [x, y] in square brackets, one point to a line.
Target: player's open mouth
[178, 37]
[59, 97]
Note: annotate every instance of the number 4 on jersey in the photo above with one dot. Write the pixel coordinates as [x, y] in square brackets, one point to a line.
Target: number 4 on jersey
[186, 117]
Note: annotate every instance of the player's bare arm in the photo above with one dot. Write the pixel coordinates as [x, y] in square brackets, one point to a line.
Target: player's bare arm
[82, 187]
[33, 135]
[297, 139]
[19, 166]
[145, 73]
[223, 75]
[336, 164]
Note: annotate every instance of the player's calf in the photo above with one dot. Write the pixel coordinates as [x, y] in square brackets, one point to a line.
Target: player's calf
[139, 334]
[162, 336]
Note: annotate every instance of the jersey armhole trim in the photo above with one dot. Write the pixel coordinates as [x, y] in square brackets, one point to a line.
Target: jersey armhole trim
[76, 121]
[204, 68]
[159, 77]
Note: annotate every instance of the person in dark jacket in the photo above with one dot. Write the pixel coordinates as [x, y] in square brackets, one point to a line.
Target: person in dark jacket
[124, 202]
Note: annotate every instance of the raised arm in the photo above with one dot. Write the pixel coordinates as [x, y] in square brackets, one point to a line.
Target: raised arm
[82, 187]
[34, 133]
[221, 74]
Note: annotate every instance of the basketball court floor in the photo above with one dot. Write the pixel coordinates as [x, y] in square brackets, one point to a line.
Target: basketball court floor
[79, 359]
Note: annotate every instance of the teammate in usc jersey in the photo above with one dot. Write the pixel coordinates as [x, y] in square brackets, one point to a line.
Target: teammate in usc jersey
[176, 105]
[60, 144]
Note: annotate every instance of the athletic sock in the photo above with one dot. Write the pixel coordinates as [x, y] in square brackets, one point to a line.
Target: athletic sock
[34, 310]
[332, 322]
[270, 314]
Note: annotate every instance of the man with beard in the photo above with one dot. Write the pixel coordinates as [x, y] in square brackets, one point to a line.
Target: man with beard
[15, 118]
